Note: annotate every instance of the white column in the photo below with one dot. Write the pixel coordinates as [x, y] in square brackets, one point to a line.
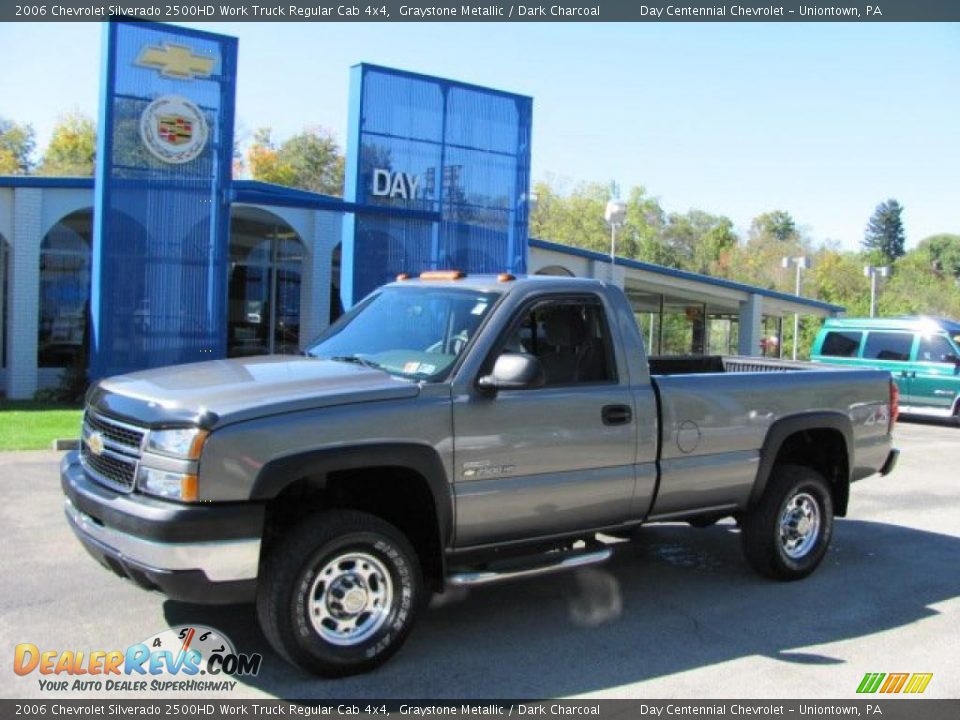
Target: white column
[751, 317]
[315, 297]
[23, 311]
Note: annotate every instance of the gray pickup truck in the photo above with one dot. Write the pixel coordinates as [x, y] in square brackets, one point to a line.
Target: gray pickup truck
[454, 430]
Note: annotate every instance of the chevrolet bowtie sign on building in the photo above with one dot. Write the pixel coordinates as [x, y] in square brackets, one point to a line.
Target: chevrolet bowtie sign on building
[159, 270]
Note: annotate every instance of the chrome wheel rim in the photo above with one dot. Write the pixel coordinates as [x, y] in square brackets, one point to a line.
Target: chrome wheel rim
[799, 525]
[350, 598]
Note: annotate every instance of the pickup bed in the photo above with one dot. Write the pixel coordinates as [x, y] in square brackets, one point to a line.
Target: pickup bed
[454, 430]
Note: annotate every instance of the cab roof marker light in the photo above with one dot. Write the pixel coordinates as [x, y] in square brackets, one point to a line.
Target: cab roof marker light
[506, 277]
[443, 275]
[403, 276]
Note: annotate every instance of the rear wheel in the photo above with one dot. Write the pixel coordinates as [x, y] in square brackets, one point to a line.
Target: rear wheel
[787, 534]
[338, 594]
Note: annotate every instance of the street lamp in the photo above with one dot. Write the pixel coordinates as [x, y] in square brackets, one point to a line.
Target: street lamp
[872, 272]
[615, 214]
[802, 263]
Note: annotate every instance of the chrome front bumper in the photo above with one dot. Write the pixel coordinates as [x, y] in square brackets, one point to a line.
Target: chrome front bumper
[220, 561]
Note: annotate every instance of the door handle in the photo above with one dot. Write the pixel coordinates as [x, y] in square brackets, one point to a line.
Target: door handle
[616, 414]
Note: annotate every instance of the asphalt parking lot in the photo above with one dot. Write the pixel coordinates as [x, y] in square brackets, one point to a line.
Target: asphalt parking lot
[677, 614]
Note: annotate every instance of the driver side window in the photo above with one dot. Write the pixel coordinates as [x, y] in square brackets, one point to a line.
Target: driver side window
[935, 349]
[571, 340]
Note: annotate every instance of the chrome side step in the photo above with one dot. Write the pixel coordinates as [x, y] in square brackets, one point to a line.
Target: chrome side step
[566, 561]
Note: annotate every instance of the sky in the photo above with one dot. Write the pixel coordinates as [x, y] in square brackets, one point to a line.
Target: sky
[823, 120]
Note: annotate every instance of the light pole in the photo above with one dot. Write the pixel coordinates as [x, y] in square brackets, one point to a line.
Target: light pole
[615, 214]
[872, 272]
[802, 263]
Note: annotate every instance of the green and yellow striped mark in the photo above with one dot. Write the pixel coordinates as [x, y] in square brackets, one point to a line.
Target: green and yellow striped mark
[894, 683]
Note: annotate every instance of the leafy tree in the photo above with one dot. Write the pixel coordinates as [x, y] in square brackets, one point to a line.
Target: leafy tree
[577, 219]
[699, 240]
[944, 253]
[72, 148]
[16, 147]
[777, 225]
[310, 160]
[885, 230]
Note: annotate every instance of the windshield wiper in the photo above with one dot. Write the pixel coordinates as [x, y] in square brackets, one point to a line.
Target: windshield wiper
[359, 361]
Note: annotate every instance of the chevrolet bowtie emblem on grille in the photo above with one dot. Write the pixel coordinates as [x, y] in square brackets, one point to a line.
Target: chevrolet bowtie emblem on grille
[175, 61]
[95, 443]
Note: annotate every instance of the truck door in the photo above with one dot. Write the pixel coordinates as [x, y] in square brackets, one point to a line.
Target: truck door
[937, 382]
[554, 459]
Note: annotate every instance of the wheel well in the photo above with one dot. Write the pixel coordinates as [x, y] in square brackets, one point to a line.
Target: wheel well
[398, 495]
[824, 450]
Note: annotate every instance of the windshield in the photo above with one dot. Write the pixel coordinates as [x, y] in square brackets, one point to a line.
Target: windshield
[414, 332]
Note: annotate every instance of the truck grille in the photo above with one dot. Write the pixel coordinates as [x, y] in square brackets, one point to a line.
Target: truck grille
[110, 450]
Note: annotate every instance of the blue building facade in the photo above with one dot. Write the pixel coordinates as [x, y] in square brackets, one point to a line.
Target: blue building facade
[440, 172]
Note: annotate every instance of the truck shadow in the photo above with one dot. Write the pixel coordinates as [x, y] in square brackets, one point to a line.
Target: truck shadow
[676, 599]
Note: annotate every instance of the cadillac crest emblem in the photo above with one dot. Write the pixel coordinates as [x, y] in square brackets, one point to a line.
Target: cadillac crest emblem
[173, 129]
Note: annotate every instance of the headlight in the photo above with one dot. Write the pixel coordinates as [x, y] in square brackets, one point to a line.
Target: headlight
[166, 484]
[185, 443]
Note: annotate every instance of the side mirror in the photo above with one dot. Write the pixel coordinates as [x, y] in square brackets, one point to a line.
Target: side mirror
[514, 371]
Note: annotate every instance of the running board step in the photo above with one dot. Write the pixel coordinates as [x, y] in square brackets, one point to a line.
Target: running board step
[564, 561]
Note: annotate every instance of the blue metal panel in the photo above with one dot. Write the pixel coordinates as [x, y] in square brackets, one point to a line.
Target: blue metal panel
[162, 214]
[433, 146]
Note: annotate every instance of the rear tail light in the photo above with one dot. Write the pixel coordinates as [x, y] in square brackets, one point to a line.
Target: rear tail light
[894, 403]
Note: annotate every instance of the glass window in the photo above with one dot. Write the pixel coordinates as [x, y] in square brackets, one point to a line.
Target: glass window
[570, 339]
[888, 346]
[936, 348]
[266, 260]
[415, 332]
[65, 292]
[841, 344]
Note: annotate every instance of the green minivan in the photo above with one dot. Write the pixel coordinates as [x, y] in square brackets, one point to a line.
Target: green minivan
[922, 354]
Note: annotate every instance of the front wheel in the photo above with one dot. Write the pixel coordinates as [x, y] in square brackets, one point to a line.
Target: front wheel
[787, 534]
[339, 593]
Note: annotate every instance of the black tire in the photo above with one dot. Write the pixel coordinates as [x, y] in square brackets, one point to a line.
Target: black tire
[342, 545]
[777, 548]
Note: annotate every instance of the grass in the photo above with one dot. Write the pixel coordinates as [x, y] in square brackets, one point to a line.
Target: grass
[32, 425]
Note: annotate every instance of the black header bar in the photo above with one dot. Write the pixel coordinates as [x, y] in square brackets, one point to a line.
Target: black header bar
[480, 11]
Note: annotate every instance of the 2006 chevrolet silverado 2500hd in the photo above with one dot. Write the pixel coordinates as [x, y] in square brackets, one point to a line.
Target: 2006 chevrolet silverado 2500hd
[455, 431]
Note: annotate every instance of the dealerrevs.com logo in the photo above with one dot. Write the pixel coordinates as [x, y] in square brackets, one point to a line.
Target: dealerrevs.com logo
[183, 658]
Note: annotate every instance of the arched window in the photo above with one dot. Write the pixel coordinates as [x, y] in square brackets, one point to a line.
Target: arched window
[554, 270]
[266, 261]
[65, 292]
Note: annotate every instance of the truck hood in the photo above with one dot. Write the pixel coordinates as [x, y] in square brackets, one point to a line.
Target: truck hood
[224, 391]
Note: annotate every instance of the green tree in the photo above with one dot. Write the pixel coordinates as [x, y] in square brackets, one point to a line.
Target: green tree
[885, 230]
[577, 219]
[698, 240]
[72, 147]
[944, 253]
[310, 160]
[777, 225]
[16, 147]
